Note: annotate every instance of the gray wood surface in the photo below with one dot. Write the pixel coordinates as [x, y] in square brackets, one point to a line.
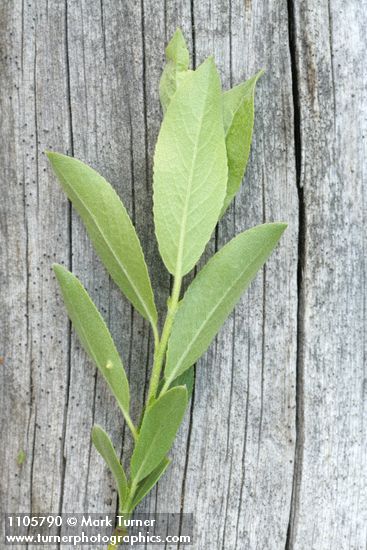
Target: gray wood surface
[272, 453]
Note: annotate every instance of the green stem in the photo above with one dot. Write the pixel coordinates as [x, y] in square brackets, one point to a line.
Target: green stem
[155, 334]
[113, 546]
[127, 417]
[161, 348]
[118, 532]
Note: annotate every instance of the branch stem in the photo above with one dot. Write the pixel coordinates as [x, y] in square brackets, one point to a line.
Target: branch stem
[161, 348]
[118, 533]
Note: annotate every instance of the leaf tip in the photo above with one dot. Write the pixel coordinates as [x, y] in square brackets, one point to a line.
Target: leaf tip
[96, 433]
[279, 228]
[57, 160]
[209, 69]
[210, 61]
[178, 35]
[177, 51]
[58, 269]
[182, 390]
[52, 155]
[95, 430]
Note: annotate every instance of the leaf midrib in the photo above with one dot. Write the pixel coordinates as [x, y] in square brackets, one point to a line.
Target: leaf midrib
[178, 270]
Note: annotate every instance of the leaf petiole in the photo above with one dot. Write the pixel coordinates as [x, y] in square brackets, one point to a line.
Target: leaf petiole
[132, 428]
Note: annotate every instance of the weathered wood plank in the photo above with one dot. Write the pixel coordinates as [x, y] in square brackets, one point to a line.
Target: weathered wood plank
[82, 78]
[330, 496]
[111, 113]
[34, 231]
[34, 225]
[242, 440]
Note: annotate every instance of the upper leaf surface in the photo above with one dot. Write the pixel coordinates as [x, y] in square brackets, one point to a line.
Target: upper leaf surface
[109, 228]
[158, 430]
[148, 483]
[104, 446]
[213, 294]
[94, 335]
[238, 117]
[176, 68]
[187, 379]
[190, 170]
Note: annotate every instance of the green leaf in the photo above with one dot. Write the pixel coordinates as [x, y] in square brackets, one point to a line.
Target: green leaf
[238, 117]
[104, 446]
[94, 335]
[109, 228]
[158, 430]
[213, 294]
[190, 170]
[148, 482]
[176, 69]
[187, 379]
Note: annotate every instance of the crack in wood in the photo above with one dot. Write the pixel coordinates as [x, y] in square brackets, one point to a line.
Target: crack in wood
[70, 265]
[297, 462]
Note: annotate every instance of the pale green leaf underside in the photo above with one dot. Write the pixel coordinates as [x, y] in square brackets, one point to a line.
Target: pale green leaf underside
[148, 483]
[176, 68]
[109, 228]
[158, 430]
[190, 170]
[104, 446]
[213, 294]
[238, 117]
[94, 335]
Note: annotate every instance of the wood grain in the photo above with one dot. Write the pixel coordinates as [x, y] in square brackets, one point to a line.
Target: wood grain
[330, 490]
[272, 453]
